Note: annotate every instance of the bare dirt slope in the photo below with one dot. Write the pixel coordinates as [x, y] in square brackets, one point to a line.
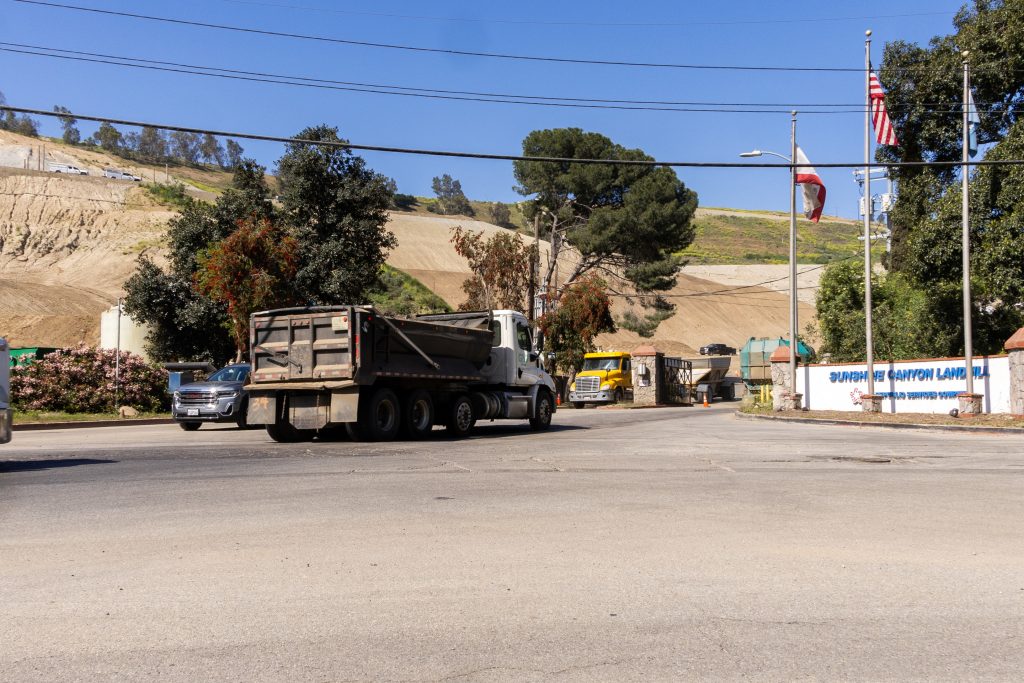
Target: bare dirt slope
[67, 244]
[705, 313]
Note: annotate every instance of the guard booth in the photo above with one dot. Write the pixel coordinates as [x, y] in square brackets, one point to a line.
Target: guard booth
[179, 374]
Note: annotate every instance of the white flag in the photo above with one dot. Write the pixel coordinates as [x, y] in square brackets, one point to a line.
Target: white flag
[810, 183]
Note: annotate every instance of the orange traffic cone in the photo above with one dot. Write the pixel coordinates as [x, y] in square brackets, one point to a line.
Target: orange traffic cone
[558, 399]
[705, 399]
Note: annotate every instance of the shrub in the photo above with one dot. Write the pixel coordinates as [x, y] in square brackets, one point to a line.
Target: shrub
[82, 380]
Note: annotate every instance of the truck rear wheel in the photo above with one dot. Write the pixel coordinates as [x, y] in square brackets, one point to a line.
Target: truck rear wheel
[282, 431]
[378, 417]
[417, 415]
[460, 416]
[542, 412]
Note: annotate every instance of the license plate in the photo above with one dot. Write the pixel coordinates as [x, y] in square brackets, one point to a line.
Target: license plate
[193, 412]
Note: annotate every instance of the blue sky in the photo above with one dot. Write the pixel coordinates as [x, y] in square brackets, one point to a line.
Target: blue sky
[735, 33]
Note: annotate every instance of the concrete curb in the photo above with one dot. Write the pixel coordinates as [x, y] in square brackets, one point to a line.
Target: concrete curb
[40, 426]
[885, 425]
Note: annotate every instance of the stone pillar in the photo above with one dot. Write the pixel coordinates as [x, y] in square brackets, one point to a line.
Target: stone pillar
[1015, 350]
[646, 376]
[871, 403]
[782, 399]
[969, 404]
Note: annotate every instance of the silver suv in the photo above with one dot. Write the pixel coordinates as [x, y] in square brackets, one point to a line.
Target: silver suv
[220, 398]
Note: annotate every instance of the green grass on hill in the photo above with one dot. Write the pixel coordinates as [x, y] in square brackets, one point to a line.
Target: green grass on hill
[402, 294]
[481, 212]
[742, 239]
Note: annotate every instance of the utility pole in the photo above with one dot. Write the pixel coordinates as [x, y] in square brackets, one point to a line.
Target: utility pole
[965, 208]
[793, 310]
[869, 341]
[534, 269]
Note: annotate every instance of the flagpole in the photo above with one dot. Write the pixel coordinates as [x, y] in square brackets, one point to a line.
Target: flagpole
[793, 311]
[869, 345]
[964, 178]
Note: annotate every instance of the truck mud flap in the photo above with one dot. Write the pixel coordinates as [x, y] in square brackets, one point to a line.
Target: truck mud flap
[345, 406]
[308, 411]
[262, 409]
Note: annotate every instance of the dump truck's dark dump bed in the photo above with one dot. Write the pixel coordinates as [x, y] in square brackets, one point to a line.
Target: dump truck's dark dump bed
[358, 344]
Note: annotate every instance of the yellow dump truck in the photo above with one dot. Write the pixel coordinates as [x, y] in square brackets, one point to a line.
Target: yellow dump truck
[605, 378]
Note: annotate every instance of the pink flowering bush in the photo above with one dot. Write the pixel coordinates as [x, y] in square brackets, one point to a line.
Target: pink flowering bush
[82, 380]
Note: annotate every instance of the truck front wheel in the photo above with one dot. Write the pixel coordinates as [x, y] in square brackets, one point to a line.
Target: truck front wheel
[617, 396]
[460, 417]
[542, 414]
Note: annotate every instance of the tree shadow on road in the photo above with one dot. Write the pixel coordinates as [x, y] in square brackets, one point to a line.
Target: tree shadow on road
[35, 465]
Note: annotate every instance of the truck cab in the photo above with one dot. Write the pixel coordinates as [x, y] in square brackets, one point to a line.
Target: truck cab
[606, 377]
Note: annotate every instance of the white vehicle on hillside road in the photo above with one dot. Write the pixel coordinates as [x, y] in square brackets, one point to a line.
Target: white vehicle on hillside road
[119, 175]
[54, 167]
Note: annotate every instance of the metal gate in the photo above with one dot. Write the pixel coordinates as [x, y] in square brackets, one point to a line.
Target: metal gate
[677, 381]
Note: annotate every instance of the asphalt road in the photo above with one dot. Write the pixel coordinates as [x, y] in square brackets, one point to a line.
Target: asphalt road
[664, 544]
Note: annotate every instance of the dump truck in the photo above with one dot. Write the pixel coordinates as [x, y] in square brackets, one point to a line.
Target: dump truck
[316, 370]
[755, 359]
[606, 377]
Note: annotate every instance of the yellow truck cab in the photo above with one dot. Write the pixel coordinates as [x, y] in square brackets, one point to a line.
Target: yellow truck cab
[605, 378]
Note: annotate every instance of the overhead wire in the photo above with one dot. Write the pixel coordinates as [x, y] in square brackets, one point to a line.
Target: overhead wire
[584, 23]
[446, 51]
[433, 93]
[494, 157]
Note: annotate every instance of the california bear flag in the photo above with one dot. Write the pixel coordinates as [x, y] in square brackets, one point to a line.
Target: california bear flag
[813, 188]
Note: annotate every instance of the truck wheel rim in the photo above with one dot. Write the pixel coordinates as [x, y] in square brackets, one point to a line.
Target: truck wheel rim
[385, 416]
[420, 414]
[464, 416]
[544, 410]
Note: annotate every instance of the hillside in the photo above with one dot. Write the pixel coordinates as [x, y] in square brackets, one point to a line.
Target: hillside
[729, 236]
[67, 243]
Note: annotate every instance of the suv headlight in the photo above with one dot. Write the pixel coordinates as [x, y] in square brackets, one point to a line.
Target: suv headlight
[177, 396]
[225, 394]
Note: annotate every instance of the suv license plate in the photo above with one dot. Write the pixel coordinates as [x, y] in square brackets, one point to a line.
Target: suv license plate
[193, 412]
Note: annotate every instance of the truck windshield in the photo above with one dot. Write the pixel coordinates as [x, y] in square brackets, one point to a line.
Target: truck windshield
[232, 373]
[600, 363]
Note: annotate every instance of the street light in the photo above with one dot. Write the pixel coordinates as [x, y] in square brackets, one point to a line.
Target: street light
[793, 311]
[759, 152]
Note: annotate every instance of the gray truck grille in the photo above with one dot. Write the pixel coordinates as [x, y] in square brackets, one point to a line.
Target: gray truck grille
[196, 398]
[588, 384]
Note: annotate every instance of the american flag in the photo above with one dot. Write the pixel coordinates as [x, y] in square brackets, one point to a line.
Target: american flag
[879, 116]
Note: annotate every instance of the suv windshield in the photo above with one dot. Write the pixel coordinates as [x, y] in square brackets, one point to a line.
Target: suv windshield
[232, 373]
[600, 363]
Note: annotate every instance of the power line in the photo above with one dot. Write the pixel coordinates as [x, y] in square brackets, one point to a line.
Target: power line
[434, 96]
[786, 107]
[496, 157]
[421, 49]
[465, 95]
[578, 23]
